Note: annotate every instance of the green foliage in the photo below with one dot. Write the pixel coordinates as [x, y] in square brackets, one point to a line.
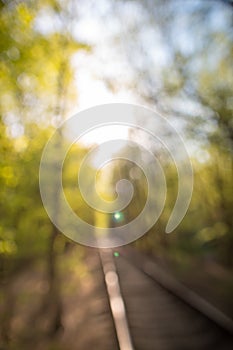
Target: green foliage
[35, 68]
[215, 88]
[73, 195]
[37, 79]
[207, 227]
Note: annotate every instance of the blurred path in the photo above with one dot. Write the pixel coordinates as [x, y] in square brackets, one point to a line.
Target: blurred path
[86, 315]
[116, 300]
[160, 320]
[121, 302]
[88, 322]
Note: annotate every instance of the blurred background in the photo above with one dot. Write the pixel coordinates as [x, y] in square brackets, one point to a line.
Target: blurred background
[60, 57]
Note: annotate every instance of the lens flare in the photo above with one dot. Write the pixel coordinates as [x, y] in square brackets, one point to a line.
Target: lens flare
[160, 133]
[118, 216]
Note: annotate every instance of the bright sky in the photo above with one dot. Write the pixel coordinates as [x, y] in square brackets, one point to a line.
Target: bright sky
[105, 74]
[94, 92]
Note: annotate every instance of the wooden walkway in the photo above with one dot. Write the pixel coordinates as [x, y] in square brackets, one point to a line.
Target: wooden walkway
[158, 319]
[121, 302]
[126, 308]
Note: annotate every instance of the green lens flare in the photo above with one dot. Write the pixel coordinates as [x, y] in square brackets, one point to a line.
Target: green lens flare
[118, 216]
